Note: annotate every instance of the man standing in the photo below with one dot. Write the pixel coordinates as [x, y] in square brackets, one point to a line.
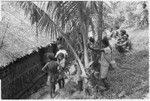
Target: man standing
[103, 59]
[51, 68]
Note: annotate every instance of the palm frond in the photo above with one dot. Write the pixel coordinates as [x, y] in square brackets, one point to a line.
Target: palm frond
[37, 15]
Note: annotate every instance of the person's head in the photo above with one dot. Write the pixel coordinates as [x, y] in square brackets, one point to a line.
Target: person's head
[123, 32]
[51, 56]
[91, 39]
[60, 56]
[144, 5]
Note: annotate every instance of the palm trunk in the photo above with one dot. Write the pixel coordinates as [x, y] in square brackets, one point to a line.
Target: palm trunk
[74, 52]
[100, 25]
[84, 33]
[99, 30]
[77, 58]
[79, 41]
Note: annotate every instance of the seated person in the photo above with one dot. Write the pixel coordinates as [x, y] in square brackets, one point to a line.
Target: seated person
[115, 33]
[123, 40]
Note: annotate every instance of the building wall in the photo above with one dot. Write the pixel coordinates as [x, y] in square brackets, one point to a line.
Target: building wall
[18, 76]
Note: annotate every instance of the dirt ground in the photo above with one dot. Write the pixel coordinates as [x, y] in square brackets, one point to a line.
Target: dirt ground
[130, 79]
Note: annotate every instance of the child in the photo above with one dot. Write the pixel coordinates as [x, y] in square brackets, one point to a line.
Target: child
[61, 62]
[61, 59]
[51, 68]
[123, 41]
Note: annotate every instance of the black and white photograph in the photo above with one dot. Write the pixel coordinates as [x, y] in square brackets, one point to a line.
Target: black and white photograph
[74, 49]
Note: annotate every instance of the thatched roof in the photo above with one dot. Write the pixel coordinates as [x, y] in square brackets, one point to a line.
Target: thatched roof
[19, 37]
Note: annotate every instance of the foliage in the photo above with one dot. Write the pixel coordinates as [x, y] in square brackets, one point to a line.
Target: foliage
[56, 18]
[71, 19]
[126, 14]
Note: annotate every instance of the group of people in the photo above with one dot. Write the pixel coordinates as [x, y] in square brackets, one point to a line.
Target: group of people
[123, 43]
[105, 61]
[56, 64]
[56, 69]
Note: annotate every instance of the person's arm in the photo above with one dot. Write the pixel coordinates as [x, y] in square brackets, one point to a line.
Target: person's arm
[95, 50]
[56, 55]
[121, 44]
[62, 63]
[109, 44]
[112, 34]
[43, 69]
[66, 55]
[57, 65]
[110, 47]
[124, 43]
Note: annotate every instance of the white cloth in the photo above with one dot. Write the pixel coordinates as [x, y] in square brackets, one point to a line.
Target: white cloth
[107, 50]
[104, 71]
[61, 51]
[113, 42]
[104, 63]
[104, 67]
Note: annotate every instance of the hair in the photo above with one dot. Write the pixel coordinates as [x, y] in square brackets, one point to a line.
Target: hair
[144, 5]
[123, 32]
[91, 39]
[60, 56]
[105, 42]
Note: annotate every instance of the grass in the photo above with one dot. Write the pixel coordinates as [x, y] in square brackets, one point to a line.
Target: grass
[133, 80]
[130, 80]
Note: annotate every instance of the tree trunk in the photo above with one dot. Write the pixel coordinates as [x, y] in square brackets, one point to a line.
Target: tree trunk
[83, 74]
[74, 52]
[99, 31]
[100, 25]
[84, 33]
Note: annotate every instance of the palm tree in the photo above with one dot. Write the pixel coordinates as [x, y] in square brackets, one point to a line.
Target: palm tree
[58, 18]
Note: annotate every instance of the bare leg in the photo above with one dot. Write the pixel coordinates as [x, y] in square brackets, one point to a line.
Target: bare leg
[106, 84]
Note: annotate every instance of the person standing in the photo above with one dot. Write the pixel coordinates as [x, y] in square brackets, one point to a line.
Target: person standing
[51, 67]
[61, 56]
[144, 15]
[104, 60]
